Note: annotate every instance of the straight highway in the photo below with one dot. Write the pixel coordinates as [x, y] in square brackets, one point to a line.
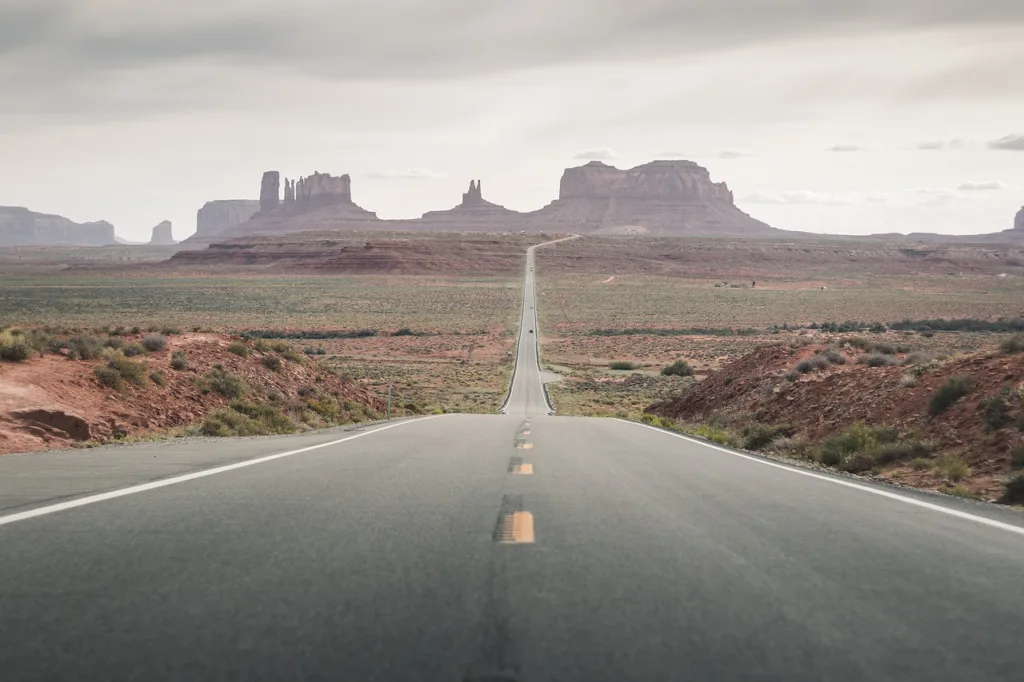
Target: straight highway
[519, 546]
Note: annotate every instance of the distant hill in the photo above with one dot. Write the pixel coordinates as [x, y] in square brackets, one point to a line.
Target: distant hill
[22, 227]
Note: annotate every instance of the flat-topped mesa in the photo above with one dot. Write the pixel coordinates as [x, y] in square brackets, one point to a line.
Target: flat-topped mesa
[270, 191]
[319, 189]
[20, 226]
[216, 216]
[162, 235]
[658, 180]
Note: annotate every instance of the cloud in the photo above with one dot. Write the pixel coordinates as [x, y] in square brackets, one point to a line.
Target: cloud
[731, 154]
[410, 174]
[71, 47]
[845, 148]
[981, 186]
[1010, 143]
[599, 154]
[798, 197]
[935, 145]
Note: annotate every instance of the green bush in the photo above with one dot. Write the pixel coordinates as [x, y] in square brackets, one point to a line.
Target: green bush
[133, 349]
[1014, 344]
[261, 346]
[271, 362]
[948, 393]
[239, 349]
[115, 342]
[679, 368]
[135, 373]
[84, 347]
[109, 377]
[834, 356]
[154, 342]
[623, 365]
[1017, 457]
[226, 383]
[859, 342]
[876, 360]
[951, 467]
[270, 419]
[996, 409]
[170, 331]
[760, 436]
[858, 447]
[921, 464]
[14, 348]
[292, 355]
[1013, 490]
[280, 347]
[179, 360]
[158, 378]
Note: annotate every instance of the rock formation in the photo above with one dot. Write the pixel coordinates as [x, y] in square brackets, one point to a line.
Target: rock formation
[320, 189]
[270, 191]
[162, 235]
[217, 216]
[474, 197]
[20, 226]
[667, 197]
[1018, 222]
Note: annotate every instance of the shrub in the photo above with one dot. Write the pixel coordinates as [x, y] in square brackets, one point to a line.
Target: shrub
[119, 370]
[1014, 344]
[226, 383]
[921, 464]
[996, 409]
[834, 356]
[328, 408]
[270, 419]
[679, 368]
[404, 331]
[115, 342]
[239, 349]
[179, 360]
[917, 359]
[883, 348]
[623, 365]
[292, 355]
[169, 330]
[84, 347]
[279, 347]
[271, 362]
[1013, 490]
[109, 377]
[133, 349]
[261, 346]
[319, 350]
[760, 436]
[14, 348]
[948, 393]
[791, 375]
[859, 342]
[951, 467]
[856, 448]
[158, 378]
[1017, 457]
[154, 342]
[134, 373]
[876, 360]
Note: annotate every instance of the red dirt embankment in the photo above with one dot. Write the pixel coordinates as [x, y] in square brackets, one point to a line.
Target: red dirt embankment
[50, 402]
[822, 403]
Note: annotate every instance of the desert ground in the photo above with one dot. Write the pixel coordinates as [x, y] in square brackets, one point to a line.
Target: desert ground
[777, 346]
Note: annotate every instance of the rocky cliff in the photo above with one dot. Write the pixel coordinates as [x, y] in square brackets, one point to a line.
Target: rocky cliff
[20, 226]
[270, 191]
[217, 216]
[662, 197]
[1018, 222]
[162, 235]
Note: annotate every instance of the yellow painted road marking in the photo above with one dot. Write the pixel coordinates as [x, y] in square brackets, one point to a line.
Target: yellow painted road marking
[525, 446]
[525, 433]
[521, 524]
[524, 469]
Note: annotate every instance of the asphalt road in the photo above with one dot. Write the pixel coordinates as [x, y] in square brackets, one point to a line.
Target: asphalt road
[416, 552]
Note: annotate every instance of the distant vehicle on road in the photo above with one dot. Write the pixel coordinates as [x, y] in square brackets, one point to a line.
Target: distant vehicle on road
[531, 331]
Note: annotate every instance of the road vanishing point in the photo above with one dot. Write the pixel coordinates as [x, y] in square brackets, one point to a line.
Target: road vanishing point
[515, 546]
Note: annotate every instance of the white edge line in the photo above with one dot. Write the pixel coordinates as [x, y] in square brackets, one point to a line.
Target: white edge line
[992, 523]
[153, 485]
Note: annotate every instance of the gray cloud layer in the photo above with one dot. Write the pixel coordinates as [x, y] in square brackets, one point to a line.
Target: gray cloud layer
[1009, 143]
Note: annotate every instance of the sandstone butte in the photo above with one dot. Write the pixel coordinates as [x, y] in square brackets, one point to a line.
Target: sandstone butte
[20, 226]
[217, 216]
[660, 197]
[162, 235]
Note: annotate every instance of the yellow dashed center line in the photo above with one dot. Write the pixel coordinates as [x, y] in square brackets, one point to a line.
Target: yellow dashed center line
[521, 525]
[525, 446]
[525, 469]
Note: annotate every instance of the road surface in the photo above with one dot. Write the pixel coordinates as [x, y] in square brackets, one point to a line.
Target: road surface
[492, 547]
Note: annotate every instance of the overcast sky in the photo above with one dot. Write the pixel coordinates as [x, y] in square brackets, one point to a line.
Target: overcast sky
[821, 115]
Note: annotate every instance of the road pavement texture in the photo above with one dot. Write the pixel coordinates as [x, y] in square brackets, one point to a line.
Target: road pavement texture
[520, 546]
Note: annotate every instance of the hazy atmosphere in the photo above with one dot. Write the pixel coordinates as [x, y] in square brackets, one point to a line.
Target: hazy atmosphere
[822, 115]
